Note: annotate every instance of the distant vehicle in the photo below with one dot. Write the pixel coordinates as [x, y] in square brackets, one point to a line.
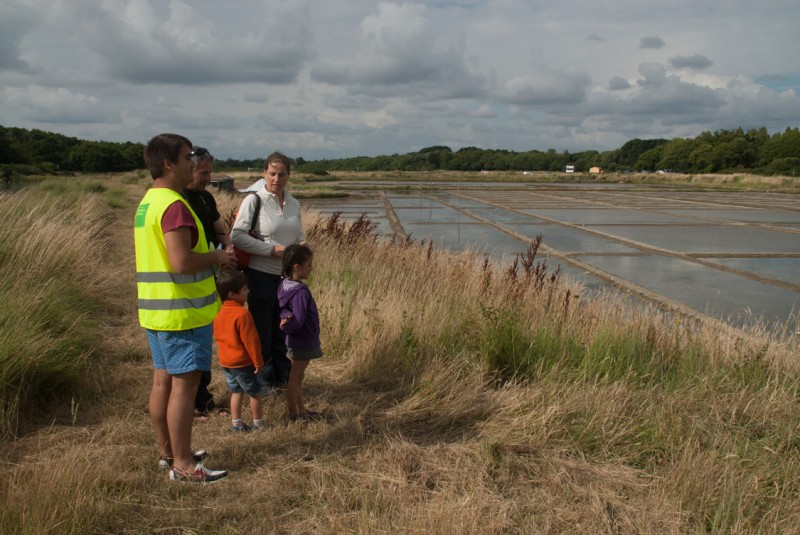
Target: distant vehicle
[569, 169]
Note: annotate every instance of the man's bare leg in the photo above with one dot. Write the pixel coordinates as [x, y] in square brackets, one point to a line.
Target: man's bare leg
[180, 414]
[159, 399]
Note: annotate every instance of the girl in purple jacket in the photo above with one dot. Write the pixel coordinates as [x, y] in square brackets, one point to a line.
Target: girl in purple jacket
[300, 322]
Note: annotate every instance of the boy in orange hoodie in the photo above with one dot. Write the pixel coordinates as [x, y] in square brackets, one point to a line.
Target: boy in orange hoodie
[239, 349]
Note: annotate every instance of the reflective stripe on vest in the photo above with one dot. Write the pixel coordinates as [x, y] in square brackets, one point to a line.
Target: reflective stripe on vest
[175, 278]
[169, 301]
[176, 304]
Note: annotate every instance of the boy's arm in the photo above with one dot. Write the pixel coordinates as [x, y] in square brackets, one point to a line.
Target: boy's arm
[250, 340]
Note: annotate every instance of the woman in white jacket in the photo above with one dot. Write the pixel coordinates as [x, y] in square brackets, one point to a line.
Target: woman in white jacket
[278, 225]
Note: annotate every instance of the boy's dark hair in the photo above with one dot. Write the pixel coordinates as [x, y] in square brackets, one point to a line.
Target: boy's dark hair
[279, 157]
[163, 147]
[230, 280]
[295, 254]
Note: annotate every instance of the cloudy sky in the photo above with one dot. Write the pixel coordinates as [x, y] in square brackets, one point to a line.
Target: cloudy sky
[338, 78]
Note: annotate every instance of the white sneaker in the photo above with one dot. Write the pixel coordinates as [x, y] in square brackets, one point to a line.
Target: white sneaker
[197, 456]
[201, 474]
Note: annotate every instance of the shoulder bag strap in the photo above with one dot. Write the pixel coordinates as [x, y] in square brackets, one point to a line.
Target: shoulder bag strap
[255, 214]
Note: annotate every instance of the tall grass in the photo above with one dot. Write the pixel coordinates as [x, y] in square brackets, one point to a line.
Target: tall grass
[519, 321]
[632, 419]
[460, 397]
[51, 244]
[706, 409]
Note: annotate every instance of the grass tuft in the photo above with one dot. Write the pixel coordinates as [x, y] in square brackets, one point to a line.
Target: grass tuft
[51, 254]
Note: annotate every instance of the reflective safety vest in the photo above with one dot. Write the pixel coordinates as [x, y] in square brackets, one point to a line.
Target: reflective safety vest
[169, 301]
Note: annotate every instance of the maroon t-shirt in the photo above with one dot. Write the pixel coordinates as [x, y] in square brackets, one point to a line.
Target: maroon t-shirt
[176, 216]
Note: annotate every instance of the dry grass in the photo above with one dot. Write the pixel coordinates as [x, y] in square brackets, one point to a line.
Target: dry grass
[459, 399]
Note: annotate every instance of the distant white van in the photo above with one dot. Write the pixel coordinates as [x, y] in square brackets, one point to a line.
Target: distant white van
[569, 169]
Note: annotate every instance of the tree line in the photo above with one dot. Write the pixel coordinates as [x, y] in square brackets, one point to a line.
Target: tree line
[36, 151]
[753, 150]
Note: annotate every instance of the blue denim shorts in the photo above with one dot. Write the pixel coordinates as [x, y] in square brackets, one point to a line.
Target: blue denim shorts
[181, 351]
[243, 380]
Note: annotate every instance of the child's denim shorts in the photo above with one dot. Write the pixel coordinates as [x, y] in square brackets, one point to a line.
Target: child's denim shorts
[181, 351]
[243, 380]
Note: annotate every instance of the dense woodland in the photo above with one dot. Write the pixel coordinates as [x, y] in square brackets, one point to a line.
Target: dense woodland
[25, 151]
[31, 151]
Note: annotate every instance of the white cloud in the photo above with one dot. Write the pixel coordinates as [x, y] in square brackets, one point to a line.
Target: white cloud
[400, 46]
[359, 77]
[144, 42]
[60, 105]
[546, 87]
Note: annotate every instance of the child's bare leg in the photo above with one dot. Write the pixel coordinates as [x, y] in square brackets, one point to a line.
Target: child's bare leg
[236, 405]
[256, 407]
[294, 393]
[301, 401]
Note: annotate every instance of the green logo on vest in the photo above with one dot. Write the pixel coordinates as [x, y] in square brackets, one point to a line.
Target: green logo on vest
[138, 222]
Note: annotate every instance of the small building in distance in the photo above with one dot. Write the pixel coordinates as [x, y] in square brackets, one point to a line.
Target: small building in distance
[222, 182]
[595, 170]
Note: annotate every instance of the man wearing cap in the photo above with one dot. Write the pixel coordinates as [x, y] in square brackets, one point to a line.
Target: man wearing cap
[205, 207]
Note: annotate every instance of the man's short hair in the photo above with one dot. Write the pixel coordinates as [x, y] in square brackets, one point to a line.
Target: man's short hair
[230, 280]
[201, 154]
[163, 147]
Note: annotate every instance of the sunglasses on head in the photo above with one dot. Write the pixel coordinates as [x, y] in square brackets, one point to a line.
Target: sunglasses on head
[200, 153]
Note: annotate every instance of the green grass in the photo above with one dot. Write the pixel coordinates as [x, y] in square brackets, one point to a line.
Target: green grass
[47, 328]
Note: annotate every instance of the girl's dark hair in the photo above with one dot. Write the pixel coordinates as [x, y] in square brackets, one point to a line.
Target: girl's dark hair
[295, 254]
[230, 280]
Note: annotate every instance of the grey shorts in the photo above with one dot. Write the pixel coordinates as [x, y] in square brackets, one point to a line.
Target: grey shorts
[304, 354]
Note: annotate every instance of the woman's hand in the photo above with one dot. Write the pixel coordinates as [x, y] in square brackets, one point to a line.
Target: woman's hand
[277, 250]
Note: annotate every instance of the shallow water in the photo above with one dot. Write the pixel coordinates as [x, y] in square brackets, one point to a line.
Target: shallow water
[734, 256]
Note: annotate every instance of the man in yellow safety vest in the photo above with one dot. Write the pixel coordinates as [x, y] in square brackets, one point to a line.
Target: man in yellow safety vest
[177, 302]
